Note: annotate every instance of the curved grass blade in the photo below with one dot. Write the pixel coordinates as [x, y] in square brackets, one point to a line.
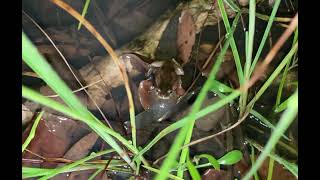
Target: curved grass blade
[211, 160]
[193, 170]
[32, 131]
[37, 63]
[284, 122]
[293, 168]
[69, 166]
[103, 131]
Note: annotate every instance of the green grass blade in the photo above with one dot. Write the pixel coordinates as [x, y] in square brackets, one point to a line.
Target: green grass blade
[211, 160]
[84, 12]
[157, 171]
[231, 158]
[293, 168]
[249, 47]
[220, 87]
[102, 130]
[186, 131]
[255, 175]
[233, 5]
[282, 106]
[285, 121]
[37, 63]
[270, 168]
[274, 74]
[285, 72]
[37, 97]
[95, 174]
[197, 106]
[32, 132]
[74, 164]
[182, 122]
[193, 170]
[28, 172]
[265, 35]
[266, 122]
[232, 41]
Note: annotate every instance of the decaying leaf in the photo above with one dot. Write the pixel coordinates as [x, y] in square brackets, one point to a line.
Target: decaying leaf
[185, 36]
[54, 136]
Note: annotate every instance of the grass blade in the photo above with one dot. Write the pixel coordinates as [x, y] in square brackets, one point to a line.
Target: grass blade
[265, 35]
[211, 160]
[255, 175]
[232, 5]
[157, 171]
[293, 168]
[193, 170]
[285, 121]
[69, 166]
[32, 132]
[84, 12]
[37, 63]
[274, 74]
[232, 41]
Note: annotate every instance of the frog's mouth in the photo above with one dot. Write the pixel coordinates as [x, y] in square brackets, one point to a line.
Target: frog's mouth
[165, 95]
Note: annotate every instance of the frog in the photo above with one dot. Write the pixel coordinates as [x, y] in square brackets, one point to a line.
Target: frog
[167, 77]
[163, 84]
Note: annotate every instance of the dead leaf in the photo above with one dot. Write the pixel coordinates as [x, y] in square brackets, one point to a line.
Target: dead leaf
[54, 136]
[186, 36]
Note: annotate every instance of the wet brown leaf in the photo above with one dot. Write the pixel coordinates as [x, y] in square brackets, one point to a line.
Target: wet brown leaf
[53, 137]
[185, 36]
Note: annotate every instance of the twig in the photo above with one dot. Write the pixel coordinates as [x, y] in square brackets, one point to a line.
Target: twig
[77, 90]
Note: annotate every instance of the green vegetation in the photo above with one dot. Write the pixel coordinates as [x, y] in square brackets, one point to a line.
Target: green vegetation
[179, 150]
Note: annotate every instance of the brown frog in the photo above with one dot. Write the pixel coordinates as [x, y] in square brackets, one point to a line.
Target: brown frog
[163, 84]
